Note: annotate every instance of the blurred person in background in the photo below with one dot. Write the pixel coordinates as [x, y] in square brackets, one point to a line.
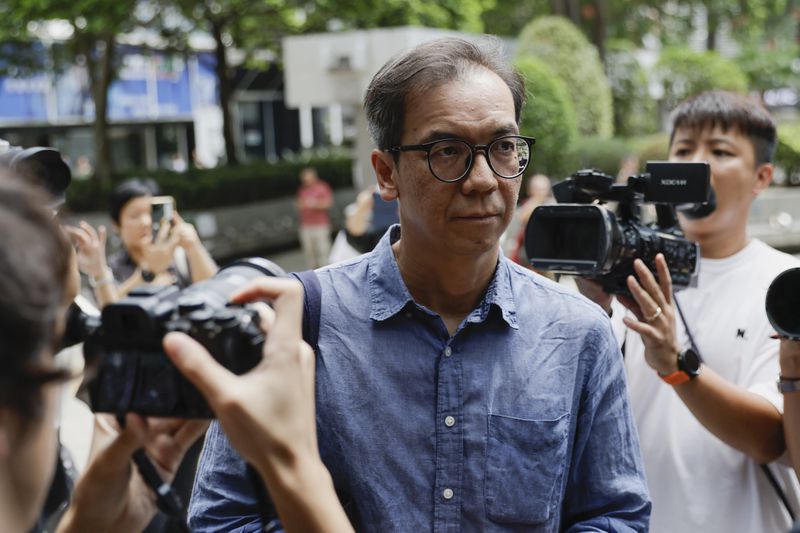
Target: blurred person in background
[314, 201]
[174, 256]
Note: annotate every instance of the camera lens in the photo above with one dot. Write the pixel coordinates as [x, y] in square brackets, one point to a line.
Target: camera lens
[783, 304]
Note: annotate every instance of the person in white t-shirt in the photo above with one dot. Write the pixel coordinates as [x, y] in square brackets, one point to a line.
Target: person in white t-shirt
[707, 424]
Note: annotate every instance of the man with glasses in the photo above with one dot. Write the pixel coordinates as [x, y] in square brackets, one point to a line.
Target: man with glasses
[455, 390]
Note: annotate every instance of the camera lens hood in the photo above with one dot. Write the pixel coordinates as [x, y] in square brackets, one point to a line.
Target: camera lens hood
[783, 304]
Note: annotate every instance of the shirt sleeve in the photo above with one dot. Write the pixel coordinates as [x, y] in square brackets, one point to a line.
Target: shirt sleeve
[606, 489]
[225, 494]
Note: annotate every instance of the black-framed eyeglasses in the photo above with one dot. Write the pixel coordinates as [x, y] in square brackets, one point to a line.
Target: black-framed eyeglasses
[451, 159]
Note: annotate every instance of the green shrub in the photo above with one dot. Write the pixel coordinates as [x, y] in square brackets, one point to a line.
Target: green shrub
[548, 115]
[635, 111]
[595, 152]
[220, 186]
[651, 147]
[562, 46]
[787, 152]
[685, 73]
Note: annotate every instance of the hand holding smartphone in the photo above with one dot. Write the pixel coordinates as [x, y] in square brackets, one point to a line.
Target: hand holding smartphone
[162, 212]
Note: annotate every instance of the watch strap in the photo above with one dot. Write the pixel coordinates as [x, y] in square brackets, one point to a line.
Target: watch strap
[788, 385]
[676, 378]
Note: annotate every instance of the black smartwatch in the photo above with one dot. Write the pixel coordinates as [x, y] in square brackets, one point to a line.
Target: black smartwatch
[688, 368]
[148, 276]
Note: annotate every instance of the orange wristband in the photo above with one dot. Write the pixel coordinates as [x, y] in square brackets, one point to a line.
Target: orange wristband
[676, 378]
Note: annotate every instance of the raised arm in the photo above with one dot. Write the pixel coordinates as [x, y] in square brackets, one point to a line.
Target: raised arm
[741, 419]
[91, 246]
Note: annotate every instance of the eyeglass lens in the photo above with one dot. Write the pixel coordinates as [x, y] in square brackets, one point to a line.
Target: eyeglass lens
[451, 159]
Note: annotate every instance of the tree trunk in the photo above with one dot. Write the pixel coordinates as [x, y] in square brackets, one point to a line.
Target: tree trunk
[599, 28]
[574, 8]
[99, 53]
[225, 93]
[712, 25]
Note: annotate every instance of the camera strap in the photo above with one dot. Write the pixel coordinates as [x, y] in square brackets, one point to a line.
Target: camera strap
[312, 306]
[765, 468]
[167, 499]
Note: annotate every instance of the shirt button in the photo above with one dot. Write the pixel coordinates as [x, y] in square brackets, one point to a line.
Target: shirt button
[448, 352]
[447, 494]
[449, 421]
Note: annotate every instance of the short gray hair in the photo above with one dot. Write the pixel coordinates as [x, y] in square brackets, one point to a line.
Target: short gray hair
[427, 66]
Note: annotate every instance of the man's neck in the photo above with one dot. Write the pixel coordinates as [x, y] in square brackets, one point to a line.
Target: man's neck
[720, 246]
[9, 507]
[451, 287]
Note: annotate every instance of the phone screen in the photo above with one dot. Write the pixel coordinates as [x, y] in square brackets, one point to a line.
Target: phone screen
[162, 211]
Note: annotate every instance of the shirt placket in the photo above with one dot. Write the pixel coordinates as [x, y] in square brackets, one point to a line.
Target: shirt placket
[449, 442]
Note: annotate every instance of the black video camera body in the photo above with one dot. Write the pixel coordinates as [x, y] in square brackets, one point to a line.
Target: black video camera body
[581, 237]
[125, 346]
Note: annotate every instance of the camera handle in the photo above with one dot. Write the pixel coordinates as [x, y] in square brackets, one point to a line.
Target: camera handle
[166, 498]
[764, 467]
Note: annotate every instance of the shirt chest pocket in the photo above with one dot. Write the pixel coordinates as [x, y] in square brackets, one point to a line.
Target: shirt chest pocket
[525, 462]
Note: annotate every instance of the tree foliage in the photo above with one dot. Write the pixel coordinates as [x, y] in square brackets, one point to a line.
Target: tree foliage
[635, 111]
[564, 48]
[91, 28]
[465, 15]
[685, 73]
[548, 115]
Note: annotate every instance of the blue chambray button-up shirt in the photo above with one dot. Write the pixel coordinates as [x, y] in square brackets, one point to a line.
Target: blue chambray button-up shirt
[518, 422]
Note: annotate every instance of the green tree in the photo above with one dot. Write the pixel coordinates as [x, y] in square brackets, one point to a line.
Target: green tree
[635, 111]
[95, 26]
[465, 15]
[548, 115]
[685, 73]
[567, 52]
[769, 69]
[256, 27]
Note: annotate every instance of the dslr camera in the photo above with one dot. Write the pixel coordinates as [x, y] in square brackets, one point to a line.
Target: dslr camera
[581, 237]
[124, 345]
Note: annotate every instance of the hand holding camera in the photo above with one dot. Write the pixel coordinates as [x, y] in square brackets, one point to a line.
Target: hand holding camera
[110, 495]
[269, 411]
[652, 303]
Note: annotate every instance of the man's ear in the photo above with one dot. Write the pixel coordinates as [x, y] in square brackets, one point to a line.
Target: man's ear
[764, 174]
[385, 166]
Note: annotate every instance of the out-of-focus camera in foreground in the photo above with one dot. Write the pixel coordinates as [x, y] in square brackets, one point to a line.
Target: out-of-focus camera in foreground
[579, 236]
[124, 345]
[38, 165]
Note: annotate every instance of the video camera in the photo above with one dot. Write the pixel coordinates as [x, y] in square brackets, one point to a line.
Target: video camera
[581, 237]
[124, 344]
[783, 304]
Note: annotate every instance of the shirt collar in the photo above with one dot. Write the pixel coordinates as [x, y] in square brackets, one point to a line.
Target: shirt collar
[389, 295]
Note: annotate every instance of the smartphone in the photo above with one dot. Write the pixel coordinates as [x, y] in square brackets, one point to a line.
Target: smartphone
[162, 211]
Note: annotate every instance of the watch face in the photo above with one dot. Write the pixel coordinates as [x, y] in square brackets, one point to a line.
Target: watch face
[689, 362]
[148, 276]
